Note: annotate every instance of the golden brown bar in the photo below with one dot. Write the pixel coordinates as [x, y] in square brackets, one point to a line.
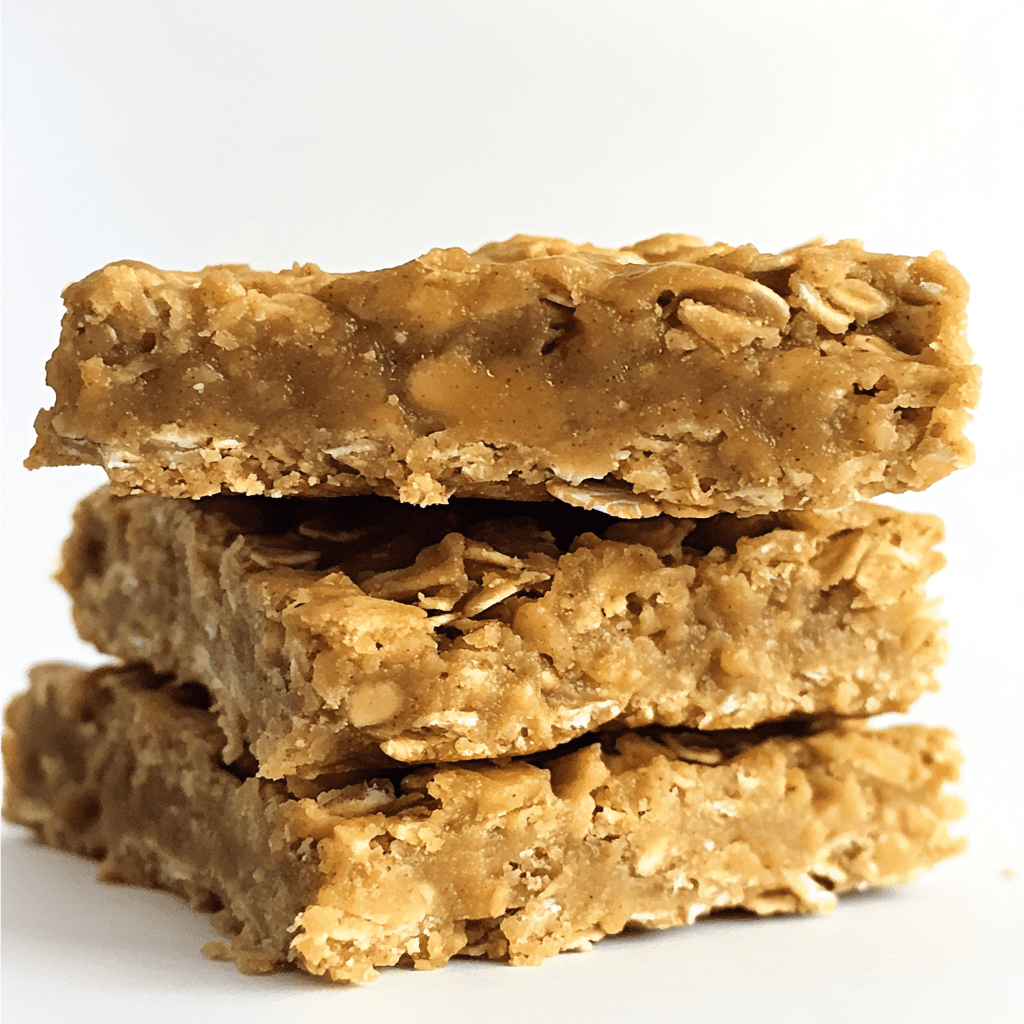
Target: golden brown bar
[667, 377]
[332, 633]
[516, 862]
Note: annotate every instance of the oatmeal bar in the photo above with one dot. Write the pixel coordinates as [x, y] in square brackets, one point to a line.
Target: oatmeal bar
[667, 377]
[332, 633]
[516, 862]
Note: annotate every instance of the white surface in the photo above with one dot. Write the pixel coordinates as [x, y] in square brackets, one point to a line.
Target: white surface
[361, 134]
[931, 952]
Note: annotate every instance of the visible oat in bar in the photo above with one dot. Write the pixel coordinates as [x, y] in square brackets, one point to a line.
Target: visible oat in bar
[514, 862]
[333, 634]
[667, 377]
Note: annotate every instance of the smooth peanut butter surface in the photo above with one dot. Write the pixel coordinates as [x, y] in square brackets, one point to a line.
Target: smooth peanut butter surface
[670, 376]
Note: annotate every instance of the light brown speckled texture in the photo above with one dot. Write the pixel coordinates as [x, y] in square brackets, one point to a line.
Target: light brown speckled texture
[666, 377]
[514, 862]
[334, 632]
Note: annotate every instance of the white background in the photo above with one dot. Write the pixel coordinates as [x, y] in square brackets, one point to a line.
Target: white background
[360, 134]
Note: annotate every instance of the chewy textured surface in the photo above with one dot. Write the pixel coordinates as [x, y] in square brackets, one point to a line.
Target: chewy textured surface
[516, 862]
[668, 377]
[331, 633]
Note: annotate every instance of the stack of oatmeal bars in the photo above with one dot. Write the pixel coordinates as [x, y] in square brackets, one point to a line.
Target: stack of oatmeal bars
[498, 602]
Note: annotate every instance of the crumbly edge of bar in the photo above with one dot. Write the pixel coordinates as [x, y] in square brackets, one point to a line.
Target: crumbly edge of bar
[338, 634]
[514, 862]
[906, 359]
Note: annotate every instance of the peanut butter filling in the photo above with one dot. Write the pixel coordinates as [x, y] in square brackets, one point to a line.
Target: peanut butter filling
[668, 377]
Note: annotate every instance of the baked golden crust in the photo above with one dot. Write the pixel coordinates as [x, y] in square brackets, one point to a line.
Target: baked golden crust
[513, 862]
[334, 634]
[667, 377]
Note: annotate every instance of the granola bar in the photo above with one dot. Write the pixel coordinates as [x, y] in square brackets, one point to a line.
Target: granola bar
[667, 377]
[514, 862]
[333, 634]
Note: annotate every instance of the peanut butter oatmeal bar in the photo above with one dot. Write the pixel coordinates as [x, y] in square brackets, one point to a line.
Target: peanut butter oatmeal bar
[515, 862]
[335, 634]
[667, 377]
